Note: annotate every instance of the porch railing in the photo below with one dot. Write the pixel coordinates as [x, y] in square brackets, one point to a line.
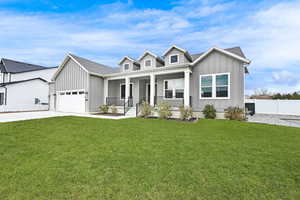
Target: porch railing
[128, 104]
[114, 101]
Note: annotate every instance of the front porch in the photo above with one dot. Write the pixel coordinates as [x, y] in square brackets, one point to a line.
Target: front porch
[127, 92]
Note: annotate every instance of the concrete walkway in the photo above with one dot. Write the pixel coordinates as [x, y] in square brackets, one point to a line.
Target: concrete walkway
[283, 120]
[11, 117]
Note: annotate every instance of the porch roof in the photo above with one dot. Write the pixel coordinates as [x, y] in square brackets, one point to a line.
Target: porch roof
[155, 71]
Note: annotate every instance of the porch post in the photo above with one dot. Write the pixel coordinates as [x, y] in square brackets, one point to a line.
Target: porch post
[127, 88]
[187, 88]
[152, 89]
[105, 90]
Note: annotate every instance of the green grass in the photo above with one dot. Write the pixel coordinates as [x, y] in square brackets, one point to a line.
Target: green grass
[85, 158]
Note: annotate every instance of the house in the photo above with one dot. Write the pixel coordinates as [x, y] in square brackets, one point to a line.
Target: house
[23, 86]
[216, 77]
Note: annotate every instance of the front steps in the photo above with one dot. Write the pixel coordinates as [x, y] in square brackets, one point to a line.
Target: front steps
[131, 112]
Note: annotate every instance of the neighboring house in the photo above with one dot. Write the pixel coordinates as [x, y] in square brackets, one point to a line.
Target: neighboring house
[23, 86]
[213, 77]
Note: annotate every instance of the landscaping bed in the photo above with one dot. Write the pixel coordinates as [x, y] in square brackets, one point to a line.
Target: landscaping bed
[109, 114]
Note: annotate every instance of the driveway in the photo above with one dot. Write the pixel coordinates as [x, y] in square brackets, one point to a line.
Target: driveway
[10, 117]
[283, 120]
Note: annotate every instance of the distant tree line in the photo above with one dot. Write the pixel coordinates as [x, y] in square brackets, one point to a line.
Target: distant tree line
[265, 94]
[294, 95]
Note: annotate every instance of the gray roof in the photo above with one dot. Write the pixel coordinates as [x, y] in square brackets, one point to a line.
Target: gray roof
[235, 50]
[15, 82]
[12, 66]
[94, 67]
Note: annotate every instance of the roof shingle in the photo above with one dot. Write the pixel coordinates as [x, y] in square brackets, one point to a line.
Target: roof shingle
[94, 67]
[12, 66]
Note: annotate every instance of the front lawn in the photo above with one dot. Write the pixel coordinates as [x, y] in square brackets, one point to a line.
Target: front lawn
[85, 158]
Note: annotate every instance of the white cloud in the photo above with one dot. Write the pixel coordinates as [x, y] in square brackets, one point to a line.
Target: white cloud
[269, 36]
[285, 77]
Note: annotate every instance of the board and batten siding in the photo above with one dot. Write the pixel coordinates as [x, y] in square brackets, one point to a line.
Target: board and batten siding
[216, 63]
[96, 93]
[181, 57]
[71, 77]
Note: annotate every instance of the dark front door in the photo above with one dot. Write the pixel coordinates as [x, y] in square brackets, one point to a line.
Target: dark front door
[123, 88]
[148, 92]
[148, 95]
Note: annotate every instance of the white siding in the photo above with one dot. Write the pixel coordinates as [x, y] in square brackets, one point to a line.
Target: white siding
[21, 96]
[46, 74]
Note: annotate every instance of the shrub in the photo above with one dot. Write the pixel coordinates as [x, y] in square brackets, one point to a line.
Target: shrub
[114, 109]
[104, 108]
[185, 113]
[235, 113]
[209, 112]
[146, 109]
[164, 110]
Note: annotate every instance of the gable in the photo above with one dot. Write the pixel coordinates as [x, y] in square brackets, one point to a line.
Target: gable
[71, 77]
[221, 51]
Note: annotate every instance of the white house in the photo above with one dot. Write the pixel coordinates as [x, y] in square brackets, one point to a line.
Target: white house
[23, 86]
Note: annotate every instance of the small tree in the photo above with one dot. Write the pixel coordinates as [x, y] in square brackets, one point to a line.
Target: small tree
[235, 113]
[164, 110]
[114, 109]
[209, 112]
[146, 109]
[185, 113]
[104, 108]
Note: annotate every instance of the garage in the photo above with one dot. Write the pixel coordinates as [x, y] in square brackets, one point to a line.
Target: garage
[71, 101]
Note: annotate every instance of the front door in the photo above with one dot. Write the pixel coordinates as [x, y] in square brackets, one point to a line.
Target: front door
[123, 88]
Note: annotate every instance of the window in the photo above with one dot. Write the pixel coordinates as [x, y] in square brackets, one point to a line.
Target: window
[206, 86]
[123, 90]
[173, 59]
[222, 85]
[214, 86]
[174, 89]
[126, 66]
[148, 63]
[1, 98]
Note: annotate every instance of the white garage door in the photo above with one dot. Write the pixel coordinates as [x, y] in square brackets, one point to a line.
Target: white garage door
[71, 101]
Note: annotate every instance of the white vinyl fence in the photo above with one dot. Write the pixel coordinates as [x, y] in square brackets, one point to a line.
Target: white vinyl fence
[280, 107]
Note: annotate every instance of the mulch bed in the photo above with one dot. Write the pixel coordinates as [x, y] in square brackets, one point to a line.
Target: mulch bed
[109, 114]
[192, 120]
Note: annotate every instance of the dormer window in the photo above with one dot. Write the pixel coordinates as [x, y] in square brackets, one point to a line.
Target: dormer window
[126, 66]
[174, 59]
[148, 63]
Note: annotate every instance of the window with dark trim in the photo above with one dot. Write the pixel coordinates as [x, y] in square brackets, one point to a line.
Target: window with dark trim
[174, 59]
[148, 63]
[126, 66]
[1, 98]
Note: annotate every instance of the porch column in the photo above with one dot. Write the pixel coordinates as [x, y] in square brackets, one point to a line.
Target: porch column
[152, 89]
[187, 88]
[105, 92]
[127, 88]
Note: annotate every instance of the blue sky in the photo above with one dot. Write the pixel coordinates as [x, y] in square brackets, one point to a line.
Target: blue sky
[44, 31]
